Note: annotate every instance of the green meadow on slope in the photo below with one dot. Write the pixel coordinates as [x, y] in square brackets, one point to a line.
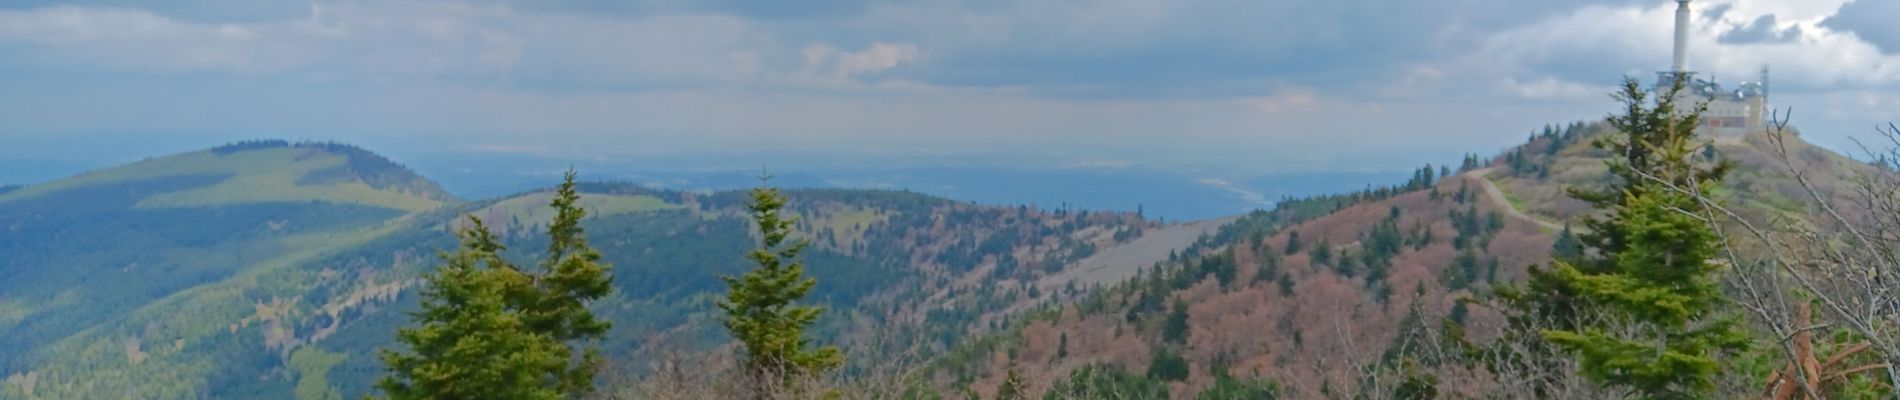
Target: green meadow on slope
[264, 172]
[90, 258]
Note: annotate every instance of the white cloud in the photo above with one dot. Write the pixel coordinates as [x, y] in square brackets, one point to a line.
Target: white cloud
[824, 63]
[1549, 88]
[440, 40]
[1297, 100]
[415, 39]
[1639, 39]
[130, 36]
[878, 57]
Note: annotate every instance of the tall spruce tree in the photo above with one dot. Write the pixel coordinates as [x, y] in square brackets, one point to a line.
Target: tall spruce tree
[488, 330]
[1640, 310]
[762, 309]
[571, 276]
[1175, 328]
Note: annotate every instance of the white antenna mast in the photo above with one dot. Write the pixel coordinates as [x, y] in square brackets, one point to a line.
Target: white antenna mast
[1681, 64]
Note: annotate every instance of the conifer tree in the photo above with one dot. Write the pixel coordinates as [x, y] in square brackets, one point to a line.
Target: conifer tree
[471, 344]
[1176, 329]
[1322, 252]
[762, 309]
[1651, 269]
[571, 276]
[1012, 387]
[489, 330]
[1567, 247]
[1062, 346]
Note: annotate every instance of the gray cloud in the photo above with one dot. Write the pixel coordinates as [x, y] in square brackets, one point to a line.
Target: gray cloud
[1099, 49]
[199, 11]
[1717, 11]
[1876, 21]
[1190, 48]
[764, 10]
[1762, 30]
[1250, 79]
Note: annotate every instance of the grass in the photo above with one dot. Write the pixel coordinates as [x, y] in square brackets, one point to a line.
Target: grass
[1517, 203]
[267, 175]
[281, 188]
[1509, 197]
[850, 226]
[14, 310]
[534, 207]
[313, 371]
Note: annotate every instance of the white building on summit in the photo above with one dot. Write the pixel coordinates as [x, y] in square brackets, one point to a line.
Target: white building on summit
[1731, 112]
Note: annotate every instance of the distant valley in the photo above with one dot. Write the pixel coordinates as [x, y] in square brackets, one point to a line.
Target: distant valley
[1163, 193]
[1156, 192]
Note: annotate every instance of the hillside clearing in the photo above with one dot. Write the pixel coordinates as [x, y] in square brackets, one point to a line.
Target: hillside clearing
[534, 207]
[1118, 263]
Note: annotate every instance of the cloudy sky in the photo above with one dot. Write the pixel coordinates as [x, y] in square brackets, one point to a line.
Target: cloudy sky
[1256, 84]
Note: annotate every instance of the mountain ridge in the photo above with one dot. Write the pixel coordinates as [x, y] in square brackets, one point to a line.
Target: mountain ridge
[296, 306]
[265, 171]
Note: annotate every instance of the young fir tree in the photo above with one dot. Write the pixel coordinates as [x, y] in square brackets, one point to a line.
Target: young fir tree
[1062, 346]
[1012, 387]
[571, 276]
[489, 330]
[1176, 329]
[1567, 247]
[761, 308]
[1651, 268]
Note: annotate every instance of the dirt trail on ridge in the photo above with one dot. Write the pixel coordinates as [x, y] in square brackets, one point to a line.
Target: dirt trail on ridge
[1497, 195]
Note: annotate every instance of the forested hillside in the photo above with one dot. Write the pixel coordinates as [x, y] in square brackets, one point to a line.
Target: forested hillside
[88, 249]
[1315, 298]
[273, 270]
[99, 265]
[1284, 301]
